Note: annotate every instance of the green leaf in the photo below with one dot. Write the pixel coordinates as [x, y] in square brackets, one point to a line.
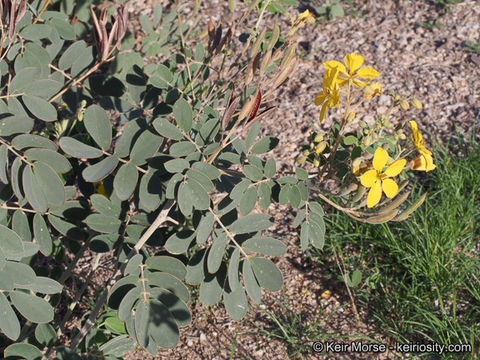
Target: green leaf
[251, 284]
[248, 201]
[176, 165]
[252, 172]
[184, 199]
[118, 346]
[356, 277]
[233, 267]
[267, 274]
[337, 11]
[40, 108]
[167, 264]
[161, 77]
[25, 141]
[4, 164]
[301, 173]
[16, 174]
[195, 268]
[36, 31]
[179, 242]
[264, 145]
[316, 208]
[100, 170]
[167, 129]
[43, 285]
[209, 170]
[104, 224]
[150, 191]
[10, 243]
[130, 134]
[9, 323]
[125, 181]
[265, 193]
[22, 351]
[50, 184]
[115, 325]
[56, 161]
[236, 302]
[211, 287]
[198, 195]
[239, 189]
[44, 88]
[270, 168]
[299, 218]
[170, 283]
[349, 140]
[205, 228]
[183, 114]
[45, 334]
[251, 223]
[146, 145]
[252, 134]
[105, 206]
[217, 250]
[162, 325]
[128, 301]
[98, 126]
[182, 148]
[133, 265]
[284, 195]
[31, 307]
[33, 190]
[294, 196]
[79, 150]
[74, 52]
[21, 226]
[15, 124]
[141, 323]
[201, 178]
[265, 246]
[64, 28]
[317, 231]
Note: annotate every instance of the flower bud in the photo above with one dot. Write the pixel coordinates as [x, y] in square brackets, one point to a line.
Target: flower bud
[416, 104]
[318, 138]
[404, 105]
[367, 141]
[306, 152]
[402, 136]
[363, 124]
[316, 163]
[375, 136]
[301, 160]
[320, 147]
[351, 117]
[396, 98]
[312, 145]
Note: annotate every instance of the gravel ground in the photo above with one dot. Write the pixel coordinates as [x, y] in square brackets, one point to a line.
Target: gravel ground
[431, 65]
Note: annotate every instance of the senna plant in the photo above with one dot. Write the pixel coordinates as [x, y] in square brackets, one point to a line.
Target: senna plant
[147, 160]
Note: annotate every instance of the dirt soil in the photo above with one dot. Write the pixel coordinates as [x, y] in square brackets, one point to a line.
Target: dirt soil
[429, 64]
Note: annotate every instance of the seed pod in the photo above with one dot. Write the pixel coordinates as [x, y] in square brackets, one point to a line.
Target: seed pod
[348, 189]
[251, 69]
[404, 105]
[360, 192]
[247, 107]
[258, 42]
[274, 38]
[399, 200]
[416, 104]
[405, 214]
[380, 219]
[265, 62]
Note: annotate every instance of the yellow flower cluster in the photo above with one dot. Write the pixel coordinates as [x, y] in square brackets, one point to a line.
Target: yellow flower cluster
[338, 75]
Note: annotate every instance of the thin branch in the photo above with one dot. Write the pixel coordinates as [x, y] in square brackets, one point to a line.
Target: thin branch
[161, 218]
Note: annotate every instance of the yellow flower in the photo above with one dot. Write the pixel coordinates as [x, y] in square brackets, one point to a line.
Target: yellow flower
[424, 162]
[99, 188]
[330, 95]
[353, 63]
[371, 90]
[377, 180]
[302, 19]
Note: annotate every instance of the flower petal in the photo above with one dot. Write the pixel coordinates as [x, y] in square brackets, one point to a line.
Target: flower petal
[390, 187]
[374, 195]
[368, 73]
[369, 178]
[320, 98]
[323, 111]
[429, 165]
[395, 168]
[332, 64]
[380, 159]
[418, 163]
[353, 62]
